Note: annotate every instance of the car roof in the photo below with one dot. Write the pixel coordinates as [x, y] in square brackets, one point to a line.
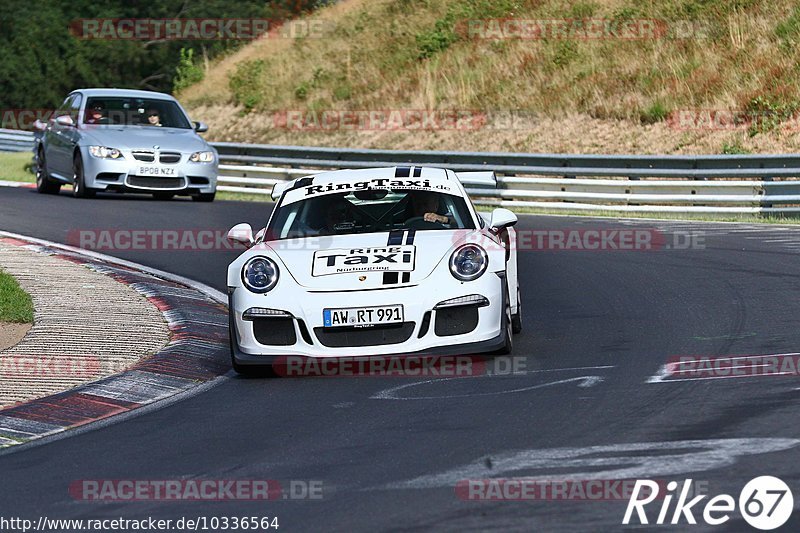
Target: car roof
[133, 93]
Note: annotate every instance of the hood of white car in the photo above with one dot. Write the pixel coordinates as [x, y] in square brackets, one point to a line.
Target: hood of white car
[366, 261]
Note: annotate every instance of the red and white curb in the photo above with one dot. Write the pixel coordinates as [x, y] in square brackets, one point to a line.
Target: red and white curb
[20, 184]
[197, 353]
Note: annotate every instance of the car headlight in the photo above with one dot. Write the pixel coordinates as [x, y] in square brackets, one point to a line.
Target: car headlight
[469, 262]
[202, 157]
[104, 152]
[260, 274]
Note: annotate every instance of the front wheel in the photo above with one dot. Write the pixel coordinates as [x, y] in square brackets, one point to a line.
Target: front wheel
[79, 188]
[508, 332]
[204, 197]
[516, 318]
[44, 184]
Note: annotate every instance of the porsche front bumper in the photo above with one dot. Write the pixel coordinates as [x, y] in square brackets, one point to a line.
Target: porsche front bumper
[295, 327]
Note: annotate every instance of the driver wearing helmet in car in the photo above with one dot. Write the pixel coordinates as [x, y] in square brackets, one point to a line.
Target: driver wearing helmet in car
[426, 204]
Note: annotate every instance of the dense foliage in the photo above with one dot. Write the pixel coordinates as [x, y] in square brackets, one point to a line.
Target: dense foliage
[42, 57]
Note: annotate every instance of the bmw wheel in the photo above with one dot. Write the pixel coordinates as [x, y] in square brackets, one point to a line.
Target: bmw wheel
[44, 184]
[79, 188]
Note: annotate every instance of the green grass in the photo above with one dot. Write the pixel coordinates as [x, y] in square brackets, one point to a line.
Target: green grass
[17, 166]
[15, 304]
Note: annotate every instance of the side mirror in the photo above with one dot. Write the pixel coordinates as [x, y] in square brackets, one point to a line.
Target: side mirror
[501, 219]
[200, 127]
[65, 120]
[241, 233]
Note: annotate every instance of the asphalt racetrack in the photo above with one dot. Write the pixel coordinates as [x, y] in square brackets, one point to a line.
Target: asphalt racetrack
[599, 326]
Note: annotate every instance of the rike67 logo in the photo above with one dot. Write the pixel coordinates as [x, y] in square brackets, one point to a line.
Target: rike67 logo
[765, 503]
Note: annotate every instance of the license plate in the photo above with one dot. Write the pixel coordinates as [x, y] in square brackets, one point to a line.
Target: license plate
[362, 316]
[155, 171]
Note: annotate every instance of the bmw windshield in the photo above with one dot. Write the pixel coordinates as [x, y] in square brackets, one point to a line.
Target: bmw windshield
[371, 210]
[127, 111]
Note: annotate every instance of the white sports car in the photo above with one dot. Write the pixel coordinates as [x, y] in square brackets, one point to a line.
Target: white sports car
[389, 261]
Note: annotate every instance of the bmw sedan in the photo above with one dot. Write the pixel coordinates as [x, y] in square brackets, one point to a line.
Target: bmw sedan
[123, 140]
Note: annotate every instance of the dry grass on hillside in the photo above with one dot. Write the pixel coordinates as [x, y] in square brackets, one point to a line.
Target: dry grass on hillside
[596, 95]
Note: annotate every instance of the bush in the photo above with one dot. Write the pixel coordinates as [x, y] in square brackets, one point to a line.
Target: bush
[187, 73]
[245, 83]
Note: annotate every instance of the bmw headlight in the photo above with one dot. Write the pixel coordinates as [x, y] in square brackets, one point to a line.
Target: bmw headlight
[469, 262]
[202, 157]
[260, 274]
[104, 152]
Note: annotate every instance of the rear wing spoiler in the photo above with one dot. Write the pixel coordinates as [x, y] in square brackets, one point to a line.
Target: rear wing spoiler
[484, 178]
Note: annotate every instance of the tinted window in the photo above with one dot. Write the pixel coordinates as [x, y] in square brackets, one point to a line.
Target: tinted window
[75, 107]
[134, 112]
[372, 210]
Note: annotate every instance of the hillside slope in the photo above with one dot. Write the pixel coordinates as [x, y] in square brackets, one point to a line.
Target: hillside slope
[672, 76]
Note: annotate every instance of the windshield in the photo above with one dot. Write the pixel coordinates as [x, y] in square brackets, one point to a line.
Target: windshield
[371, 210]
[123, 111]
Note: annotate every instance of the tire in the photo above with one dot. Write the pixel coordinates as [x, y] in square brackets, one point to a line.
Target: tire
[163, 196]
[44, 184]
[508, 335]
[516, 318]
[79, 188]
[204, 197]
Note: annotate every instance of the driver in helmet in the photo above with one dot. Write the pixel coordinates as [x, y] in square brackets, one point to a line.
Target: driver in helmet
[426, 204]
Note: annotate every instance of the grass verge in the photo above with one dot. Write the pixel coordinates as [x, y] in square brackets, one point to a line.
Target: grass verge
[15, 304]
[17, 166]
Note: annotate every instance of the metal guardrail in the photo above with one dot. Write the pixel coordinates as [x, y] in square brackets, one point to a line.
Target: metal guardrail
[698, 184]
[15, 141]
[681, 184]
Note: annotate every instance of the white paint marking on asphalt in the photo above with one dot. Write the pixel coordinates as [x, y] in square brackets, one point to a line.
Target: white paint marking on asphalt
[391, 394]
[687, 456]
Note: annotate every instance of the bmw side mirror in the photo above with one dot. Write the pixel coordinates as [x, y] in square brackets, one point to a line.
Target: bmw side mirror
[65, 120]
[200, 127]
[501, 219]
[242, 233]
